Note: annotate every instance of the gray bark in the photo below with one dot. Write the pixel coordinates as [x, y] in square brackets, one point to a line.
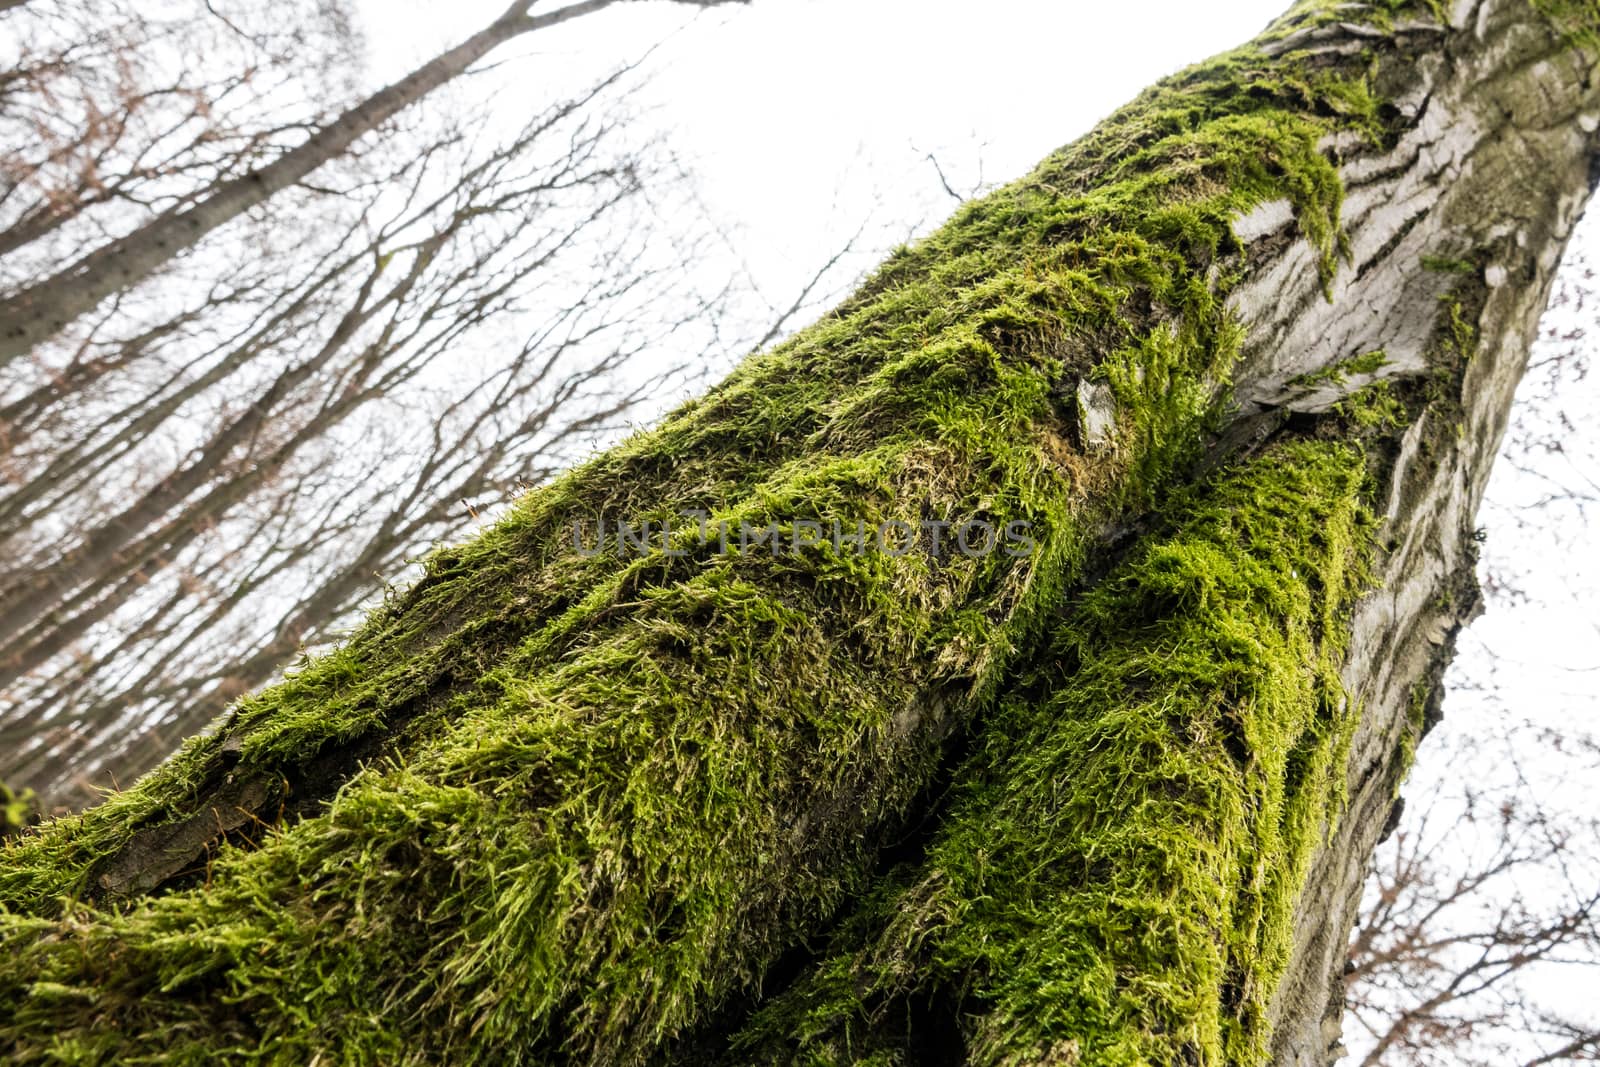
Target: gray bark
[1494, 167]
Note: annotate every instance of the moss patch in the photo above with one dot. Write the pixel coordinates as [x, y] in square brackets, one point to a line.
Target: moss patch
[18, 810]
[1578, 20]
[1341, 372]
[1172, 764]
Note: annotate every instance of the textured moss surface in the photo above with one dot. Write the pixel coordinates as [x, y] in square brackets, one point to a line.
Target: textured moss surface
[1578, 19]
[1115, 879]
[546, 807]
[942, 388]
[17, 810]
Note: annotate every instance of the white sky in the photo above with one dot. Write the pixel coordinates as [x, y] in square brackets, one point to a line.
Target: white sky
[797, 114]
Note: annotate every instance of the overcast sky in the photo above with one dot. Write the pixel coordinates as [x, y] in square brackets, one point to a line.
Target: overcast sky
[804, 118]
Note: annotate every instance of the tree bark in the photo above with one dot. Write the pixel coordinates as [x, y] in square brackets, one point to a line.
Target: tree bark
[1241, 357]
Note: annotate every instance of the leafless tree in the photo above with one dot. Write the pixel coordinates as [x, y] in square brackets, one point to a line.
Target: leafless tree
[47, 305]
[115, 113]
[1483, 906]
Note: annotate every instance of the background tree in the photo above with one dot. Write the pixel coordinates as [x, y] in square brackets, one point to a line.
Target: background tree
[1481, 901]
[1238, 356]
[40, 309]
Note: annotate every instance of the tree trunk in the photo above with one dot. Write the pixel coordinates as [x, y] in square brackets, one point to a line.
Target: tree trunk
[1240, 358]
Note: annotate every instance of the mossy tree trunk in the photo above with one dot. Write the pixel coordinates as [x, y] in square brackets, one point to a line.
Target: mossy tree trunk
[1241, 357]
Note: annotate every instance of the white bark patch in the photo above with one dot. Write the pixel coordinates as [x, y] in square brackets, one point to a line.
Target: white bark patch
[1342, 143]
[1097, 408]
[1380, 299]
[1264, 220]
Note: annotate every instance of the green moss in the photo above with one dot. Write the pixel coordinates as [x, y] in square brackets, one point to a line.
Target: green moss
[1339, 373]
[1411, 732]
[1439, 10]
[1577, 20]
[1462, 334]
[18, 810]
[1449, 265]
[615, 792]
[1119, 865]
[1382, 14]
[1374, 408]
